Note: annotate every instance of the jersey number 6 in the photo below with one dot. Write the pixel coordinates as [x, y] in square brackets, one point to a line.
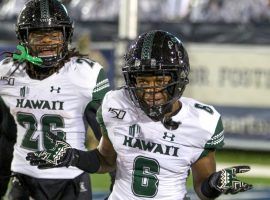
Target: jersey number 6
[144, 179]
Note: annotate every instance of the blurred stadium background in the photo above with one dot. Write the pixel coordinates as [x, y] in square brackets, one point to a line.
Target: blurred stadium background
[229, 46]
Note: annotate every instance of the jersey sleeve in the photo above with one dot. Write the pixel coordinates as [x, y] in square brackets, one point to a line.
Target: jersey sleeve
[101, 88]
[6, 66]
[210, 125]
[217, 139]
[89, 79]
[210, 129]
[90, 112]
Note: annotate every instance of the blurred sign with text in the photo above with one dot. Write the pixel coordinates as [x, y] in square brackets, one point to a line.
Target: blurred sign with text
[236, 80]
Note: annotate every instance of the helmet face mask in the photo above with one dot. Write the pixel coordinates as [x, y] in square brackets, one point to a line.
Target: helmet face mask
[161, 56]
[46, 44]
[45, 16]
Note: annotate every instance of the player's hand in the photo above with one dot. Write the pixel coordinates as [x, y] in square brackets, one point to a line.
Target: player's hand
[226, 181]
[60, 155]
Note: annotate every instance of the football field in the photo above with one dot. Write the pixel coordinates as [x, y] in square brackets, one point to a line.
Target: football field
[261, 190]
[255, 194]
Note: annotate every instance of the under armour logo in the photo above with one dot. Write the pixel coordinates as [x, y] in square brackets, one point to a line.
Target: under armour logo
[53, 89]
[119, 114]
[169, 136]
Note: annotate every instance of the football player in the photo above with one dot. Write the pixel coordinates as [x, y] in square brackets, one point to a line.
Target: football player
[151, 134]
[7, 140]
[49, 89]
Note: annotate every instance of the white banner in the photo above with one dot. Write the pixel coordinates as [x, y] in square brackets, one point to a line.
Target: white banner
[230, 75]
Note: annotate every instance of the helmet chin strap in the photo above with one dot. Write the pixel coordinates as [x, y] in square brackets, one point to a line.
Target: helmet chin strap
[158, 115]
[169, 124]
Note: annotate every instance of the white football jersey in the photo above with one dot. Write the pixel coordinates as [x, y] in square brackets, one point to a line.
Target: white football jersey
[152, 161]
[55, 104]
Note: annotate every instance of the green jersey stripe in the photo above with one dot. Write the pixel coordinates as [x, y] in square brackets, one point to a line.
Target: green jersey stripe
[217, 140]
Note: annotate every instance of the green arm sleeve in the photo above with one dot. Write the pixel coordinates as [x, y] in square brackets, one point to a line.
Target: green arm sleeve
[100, 121]
[101, 88]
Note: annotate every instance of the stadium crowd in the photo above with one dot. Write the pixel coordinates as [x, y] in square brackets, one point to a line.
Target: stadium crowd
[211, 11]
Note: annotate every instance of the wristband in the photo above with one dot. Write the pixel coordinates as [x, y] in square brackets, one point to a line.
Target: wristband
[209, 191]
[87, 161]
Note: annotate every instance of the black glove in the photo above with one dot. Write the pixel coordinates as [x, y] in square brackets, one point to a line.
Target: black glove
[225, 181]
[59, 156]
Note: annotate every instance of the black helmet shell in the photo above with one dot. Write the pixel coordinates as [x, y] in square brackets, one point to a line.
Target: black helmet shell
[43, 14]
[155, 53]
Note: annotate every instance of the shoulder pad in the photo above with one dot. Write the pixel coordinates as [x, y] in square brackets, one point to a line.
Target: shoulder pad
[6, 66]
[6, 60]
[87, 61]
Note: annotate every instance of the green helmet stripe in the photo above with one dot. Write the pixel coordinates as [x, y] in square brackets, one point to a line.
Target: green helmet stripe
[44, 9]
[147, 45]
